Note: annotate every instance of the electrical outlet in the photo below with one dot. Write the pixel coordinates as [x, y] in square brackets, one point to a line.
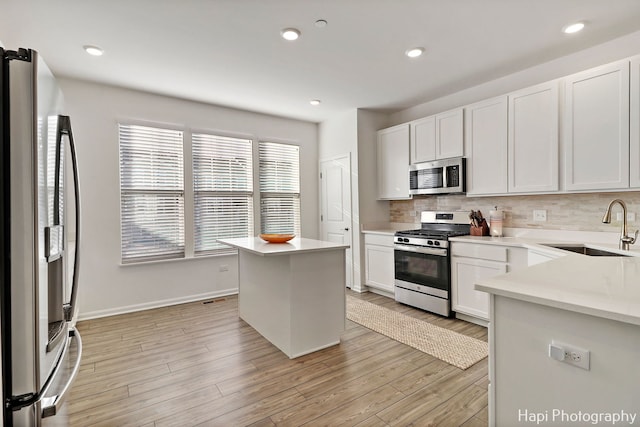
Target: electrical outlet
[224, 267]
[540, 215]
[570, 354]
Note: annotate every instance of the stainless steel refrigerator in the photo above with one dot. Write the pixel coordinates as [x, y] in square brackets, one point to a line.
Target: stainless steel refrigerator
[39, 242]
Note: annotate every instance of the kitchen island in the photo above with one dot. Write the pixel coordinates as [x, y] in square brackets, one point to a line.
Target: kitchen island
[292, 293]
[578, 304]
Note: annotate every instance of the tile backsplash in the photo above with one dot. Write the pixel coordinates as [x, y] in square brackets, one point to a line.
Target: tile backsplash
[580, 212]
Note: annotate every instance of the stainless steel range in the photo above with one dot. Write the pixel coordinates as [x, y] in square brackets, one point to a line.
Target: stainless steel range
[422, 261]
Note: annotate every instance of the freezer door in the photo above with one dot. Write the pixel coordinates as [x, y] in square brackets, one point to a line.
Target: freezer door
[35, 332]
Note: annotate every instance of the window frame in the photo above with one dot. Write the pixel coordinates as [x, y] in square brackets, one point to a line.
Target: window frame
[188, 191]
[126, 192]
[222, 193]
[273, 194]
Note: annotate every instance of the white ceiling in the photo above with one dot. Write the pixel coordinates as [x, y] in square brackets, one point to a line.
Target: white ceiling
[229, 52]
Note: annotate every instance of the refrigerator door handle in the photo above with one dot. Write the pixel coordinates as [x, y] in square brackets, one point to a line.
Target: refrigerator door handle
[51, 404]
[64, 128]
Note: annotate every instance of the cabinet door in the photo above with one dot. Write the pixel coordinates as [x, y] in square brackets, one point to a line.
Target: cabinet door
[596, 128]
[486, 146]
[533, 139]
[449, 134]
[423, 140]
[465, 273]
[393, 162]
[634, 126]
[379, 267]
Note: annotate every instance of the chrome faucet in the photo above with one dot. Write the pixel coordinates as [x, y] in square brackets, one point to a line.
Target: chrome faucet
[624, 239]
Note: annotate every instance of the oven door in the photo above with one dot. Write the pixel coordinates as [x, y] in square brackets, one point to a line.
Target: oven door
[425, 267]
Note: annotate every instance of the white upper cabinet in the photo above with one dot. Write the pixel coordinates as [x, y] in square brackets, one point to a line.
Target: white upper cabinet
[393, 163]
[596, 128]
[440, 136]
[486, 146]
[450, 134]
[533, 139]
[423, 140]
[634, 148]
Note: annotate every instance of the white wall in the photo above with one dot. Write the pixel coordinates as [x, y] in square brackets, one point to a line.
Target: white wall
[339, 136]
[620, 48]
[354, 132]
[106, 287]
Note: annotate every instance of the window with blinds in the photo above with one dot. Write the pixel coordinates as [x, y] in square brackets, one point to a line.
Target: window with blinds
[279, 188]
[223, 191]
[151, 193]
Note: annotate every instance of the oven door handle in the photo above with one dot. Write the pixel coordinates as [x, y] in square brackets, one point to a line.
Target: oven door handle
[421, 250]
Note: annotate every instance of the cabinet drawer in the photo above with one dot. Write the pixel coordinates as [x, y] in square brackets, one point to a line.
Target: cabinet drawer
[470, 250]
[378, 239]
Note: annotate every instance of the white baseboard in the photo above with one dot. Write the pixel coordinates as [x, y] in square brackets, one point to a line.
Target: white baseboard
[154, 304]
[382, 292]
[472, 319]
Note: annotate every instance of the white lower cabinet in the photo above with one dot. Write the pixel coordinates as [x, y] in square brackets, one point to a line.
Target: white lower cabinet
[379, 263]
[472, 263]
[466, 272]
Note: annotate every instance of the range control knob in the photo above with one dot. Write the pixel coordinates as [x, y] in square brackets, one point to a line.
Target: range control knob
[429, 242]
[436, 243]
[405, 240]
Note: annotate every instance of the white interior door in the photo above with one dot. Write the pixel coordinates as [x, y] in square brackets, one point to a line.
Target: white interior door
[335, 200]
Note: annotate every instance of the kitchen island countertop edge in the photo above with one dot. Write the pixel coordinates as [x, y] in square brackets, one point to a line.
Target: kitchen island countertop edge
[296, 245]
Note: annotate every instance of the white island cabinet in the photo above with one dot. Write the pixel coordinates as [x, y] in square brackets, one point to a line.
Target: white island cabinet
[588, 308]
[292, 293]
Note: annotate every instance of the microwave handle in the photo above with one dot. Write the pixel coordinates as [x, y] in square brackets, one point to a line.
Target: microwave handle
[445, 177]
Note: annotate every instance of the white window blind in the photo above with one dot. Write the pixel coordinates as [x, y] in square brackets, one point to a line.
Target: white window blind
[151, 193]
[223, 191]
[279, 188]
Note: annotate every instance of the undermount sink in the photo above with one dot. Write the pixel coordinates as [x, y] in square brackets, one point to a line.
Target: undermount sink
[584, 250]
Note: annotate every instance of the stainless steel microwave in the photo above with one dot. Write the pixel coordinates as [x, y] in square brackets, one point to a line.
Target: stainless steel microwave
[438, 177]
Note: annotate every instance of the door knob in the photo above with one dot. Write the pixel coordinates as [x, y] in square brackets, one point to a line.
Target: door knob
[346, 229]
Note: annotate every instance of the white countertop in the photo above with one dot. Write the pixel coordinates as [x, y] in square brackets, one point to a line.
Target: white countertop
[297, 245]
[383, 231]
[539, 244]
[387, 229]
[607, 287]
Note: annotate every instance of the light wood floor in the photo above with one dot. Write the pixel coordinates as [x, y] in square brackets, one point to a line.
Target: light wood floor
[200, 365]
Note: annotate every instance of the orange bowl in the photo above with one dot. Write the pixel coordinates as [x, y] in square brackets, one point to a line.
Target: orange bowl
[277, 238]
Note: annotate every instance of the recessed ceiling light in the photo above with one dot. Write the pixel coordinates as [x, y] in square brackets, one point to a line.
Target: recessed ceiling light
[573, 28]
[93, 50]
[290, 34]
[321, 23]
[415, 52]
[315, 102]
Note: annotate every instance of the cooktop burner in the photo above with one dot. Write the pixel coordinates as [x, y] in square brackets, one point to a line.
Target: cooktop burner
[432, 234]
[438, 226]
